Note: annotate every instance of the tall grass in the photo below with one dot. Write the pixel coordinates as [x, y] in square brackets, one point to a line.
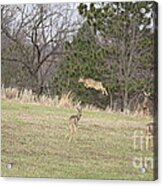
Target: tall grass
[66, 100]
[27, 96]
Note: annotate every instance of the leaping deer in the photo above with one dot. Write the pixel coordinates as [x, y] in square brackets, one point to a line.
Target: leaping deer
[90, 83]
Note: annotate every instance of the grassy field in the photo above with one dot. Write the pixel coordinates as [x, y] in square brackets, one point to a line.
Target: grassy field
[33, 140]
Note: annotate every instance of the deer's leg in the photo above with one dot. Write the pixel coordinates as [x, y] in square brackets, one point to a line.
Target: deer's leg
[73, 132]
[102, 91]
[144, 111]
[75, 128]
[106, 93]
[70, 132]
[87, 86]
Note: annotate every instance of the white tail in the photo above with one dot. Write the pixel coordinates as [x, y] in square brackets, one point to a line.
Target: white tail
[90, 83]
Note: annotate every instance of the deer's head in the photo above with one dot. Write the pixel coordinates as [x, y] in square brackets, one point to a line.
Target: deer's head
[81, 80]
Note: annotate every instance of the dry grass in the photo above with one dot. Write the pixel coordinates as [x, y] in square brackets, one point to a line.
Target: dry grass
[27, 96]
[67, 100]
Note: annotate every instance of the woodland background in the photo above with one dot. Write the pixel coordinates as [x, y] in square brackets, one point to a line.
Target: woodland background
[47, 48]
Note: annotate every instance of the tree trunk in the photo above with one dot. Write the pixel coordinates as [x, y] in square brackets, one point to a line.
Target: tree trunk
[125, 100]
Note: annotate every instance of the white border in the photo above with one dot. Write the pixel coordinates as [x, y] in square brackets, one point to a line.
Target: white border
[48, 182]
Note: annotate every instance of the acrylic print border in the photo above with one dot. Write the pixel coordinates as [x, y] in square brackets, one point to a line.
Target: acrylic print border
[155, 116]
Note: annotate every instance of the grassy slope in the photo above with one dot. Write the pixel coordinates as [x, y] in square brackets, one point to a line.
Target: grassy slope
[33, 139]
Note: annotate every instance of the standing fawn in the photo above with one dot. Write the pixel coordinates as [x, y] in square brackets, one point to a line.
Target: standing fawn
[73, 122]
[150, 135]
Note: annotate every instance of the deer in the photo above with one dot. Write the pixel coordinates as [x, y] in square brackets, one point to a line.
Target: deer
[73, 123]
[150, 134]
[90, 83]
[145, 104]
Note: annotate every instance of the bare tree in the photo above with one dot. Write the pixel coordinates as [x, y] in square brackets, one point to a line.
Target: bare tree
[38, 32]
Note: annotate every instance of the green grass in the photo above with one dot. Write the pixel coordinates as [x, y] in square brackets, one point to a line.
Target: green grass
[33, 139]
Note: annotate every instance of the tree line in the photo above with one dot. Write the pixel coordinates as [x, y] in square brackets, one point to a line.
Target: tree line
[47, 48]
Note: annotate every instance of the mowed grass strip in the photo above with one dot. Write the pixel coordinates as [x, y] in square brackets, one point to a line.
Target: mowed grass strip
[33, 140]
